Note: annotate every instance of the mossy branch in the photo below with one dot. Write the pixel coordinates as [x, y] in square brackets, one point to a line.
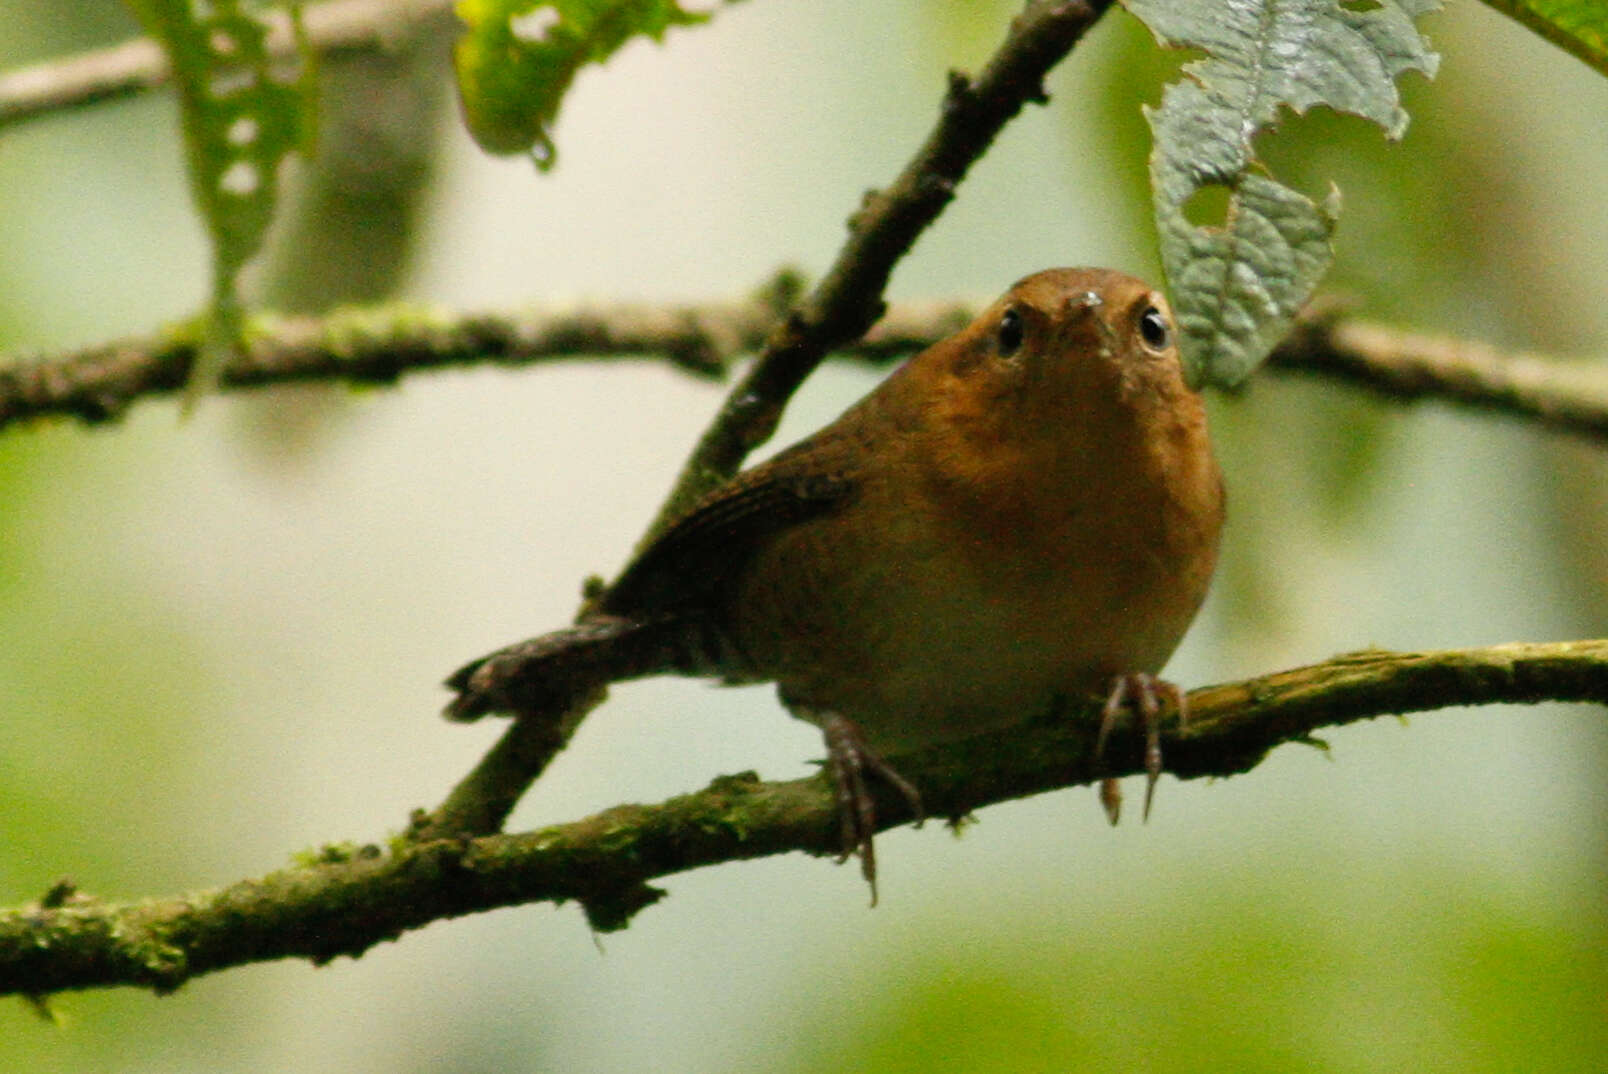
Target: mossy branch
[346, 899]
[368, 345]
[379, 344]
[139, 65]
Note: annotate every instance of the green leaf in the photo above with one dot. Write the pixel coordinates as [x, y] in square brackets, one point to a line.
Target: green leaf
[518, 58]
[1579, 27]
[241, 116]
[1237, 283]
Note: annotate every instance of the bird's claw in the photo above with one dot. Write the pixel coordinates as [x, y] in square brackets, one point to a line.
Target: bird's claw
[1144, 694]
[852, 762]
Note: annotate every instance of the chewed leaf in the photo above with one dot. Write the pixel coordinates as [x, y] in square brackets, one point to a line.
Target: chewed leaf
[242, 114]
[1239, 281]
[1235, 288]
[518, 57]
[1578, 26]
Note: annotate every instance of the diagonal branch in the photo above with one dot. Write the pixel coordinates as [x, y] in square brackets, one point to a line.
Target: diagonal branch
[139, 65]
[848, 299]
[351, 898]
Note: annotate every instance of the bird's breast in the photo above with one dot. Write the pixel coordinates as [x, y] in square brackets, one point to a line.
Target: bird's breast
[924, 613]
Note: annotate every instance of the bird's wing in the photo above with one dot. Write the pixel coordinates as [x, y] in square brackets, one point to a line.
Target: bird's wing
[688, 567]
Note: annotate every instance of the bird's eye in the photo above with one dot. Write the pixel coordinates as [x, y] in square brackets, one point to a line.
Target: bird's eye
[1153, 329]
[1010, 333]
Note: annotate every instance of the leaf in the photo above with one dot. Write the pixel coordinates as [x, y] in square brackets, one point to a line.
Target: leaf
[1237, 284]
[241, 117]
[1579, 27]
[518, 58]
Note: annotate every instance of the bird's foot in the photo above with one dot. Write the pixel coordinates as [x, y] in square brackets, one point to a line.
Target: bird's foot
[1143, 693]
[852, 762]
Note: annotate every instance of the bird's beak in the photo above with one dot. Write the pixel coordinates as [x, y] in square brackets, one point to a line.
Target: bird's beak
[1083, 314]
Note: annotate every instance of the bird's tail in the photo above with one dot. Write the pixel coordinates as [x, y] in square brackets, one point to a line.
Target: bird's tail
[549, 675]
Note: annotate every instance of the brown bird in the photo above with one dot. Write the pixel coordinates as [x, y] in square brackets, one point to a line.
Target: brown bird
[1025, 512]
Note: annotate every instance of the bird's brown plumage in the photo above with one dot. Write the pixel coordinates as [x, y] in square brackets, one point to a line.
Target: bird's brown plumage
[1022, 512]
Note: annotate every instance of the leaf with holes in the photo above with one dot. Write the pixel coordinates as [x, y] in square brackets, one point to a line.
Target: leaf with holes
[1237, 283]
[241, 114]
[1579, 27]
[518, 58]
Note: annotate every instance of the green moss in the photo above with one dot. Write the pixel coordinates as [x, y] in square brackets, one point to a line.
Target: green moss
[353, 332]
[340, 853]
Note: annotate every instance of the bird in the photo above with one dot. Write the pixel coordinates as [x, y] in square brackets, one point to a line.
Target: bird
[1024, 512]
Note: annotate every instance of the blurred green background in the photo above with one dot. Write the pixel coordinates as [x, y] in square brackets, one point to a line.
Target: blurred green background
[224, 635]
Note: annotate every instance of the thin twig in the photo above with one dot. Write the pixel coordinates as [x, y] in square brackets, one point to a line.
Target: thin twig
[848, 300]
[139, 65]
[484, 797]
[349, 898]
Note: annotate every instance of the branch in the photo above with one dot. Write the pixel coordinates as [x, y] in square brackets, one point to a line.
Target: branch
[849, 299]
[139, 65]
[366, 346]
[351, 898]
[380, 344]
[1567, 396]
